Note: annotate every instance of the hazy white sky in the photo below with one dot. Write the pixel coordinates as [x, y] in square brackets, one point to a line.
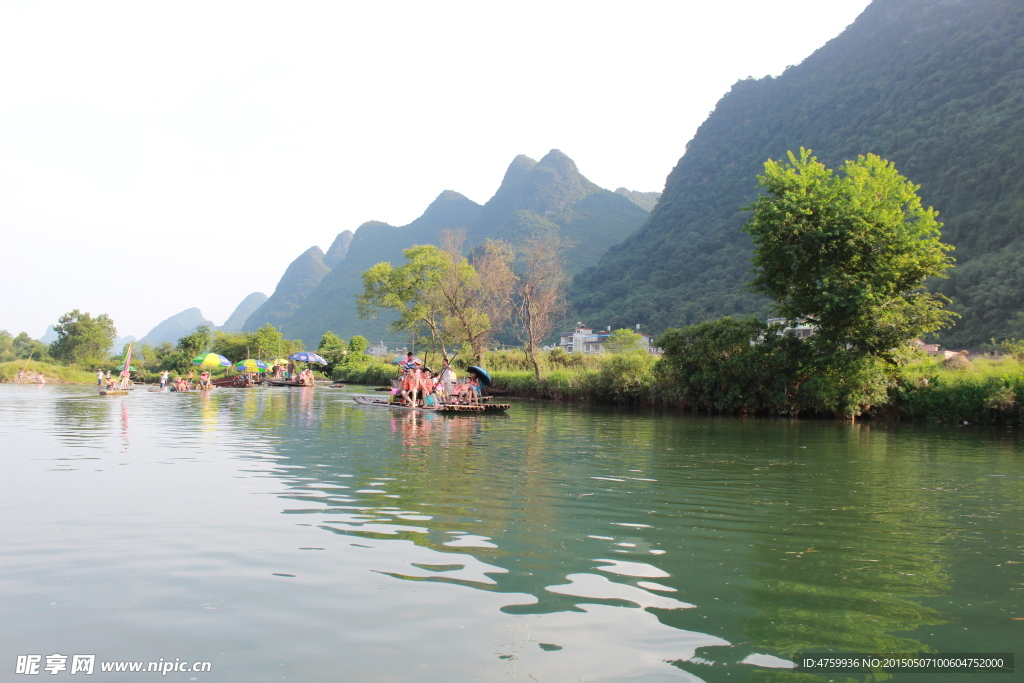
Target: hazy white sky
[158, 156]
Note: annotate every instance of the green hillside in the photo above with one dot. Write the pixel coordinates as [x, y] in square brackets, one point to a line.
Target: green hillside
[298, 282]
[236, 321]
[336, 254]
[935, 86]
[552, 194]
[177, 326]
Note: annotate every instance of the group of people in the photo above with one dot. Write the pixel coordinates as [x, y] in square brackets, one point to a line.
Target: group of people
[106, 379]
[187, 383]
[419, 386]
[288, 374]
[39, 377]
[285, 372]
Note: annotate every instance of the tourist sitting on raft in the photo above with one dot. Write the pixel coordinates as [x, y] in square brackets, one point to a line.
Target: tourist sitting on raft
[415, 383]
[468, 392]
[204, 380]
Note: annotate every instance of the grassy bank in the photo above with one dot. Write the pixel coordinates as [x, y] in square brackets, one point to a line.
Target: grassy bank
[984, 391]
[371, 372]
[54, 374]
[980, 392]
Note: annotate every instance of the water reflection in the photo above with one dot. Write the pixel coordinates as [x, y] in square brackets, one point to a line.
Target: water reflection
[583, 543]
[805, 536]
[83, 421]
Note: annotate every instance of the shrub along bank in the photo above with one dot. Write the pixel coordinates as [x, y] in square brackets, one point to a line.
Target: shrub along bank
[745, 367]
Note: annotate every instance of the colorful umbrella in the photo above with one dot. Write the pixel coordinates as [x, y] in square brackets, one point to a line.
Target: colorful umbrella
[211, 360]
[307, 357]
[131, 368]
[251, 365]
[278, 361]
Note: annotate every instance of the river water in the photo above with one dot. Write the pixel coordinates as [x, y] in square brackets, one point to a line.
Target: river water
[291, 535]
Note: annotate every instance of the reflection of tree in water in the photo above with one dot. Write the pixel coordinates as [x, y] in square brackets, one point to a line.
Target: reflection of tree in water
[823, 531]
[83, 422]
[499, 484]
[845, 559]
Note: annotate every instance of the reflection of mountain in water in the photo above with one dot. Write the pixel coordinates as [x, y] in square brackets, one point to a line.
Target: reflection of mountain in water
[685, 527]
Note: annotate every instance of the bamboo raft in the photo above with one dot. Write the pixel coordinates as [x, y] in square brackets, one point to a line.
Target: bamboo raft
[285, 383]
[233, 383]
[442, 408]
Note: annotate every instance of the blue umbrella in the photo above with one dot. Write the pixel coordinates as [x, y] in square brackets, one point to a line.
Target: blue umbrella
[481, 373]
[307, 357]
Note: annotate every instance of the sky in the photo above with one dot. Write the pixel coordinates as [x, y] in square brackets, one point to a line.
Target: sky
[160, 156]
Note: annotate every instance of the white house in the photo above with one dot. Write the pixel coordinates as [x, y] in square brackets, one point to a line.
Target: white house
[585, 340]
[800, 330]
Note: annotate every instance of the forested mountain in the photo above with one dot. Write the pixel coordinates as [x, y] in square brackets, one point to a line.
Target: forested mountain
[547, 195]
[236, 321]
[339, 249]
[176, 327]
[298, 282]
[332, 306]
[937, 86]
[551, 194]
[645, 200]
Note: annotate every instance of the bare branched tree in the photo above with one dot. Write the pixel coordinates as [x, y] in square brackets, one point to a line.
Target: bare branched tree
[538, 297]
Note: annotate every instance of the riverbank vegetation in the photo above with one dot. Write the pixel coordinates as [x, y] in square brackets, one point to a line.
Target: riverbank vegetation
[53, 373]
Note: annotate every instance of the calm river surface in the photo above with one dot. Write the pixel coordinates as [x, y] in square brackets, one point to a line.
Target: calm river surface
[292, 535]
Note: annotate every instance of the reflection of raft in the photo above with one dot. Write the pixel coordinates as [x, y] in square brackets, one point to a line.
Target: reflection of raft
[384, 403]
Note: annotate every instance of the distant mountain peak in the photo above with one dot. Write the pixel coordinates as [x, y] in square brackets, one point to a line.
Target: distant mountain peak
[336, 254]
[445, 200]
[300, 278]
[518, 169]
[533, 197]
[559, 160]
[177, 326]
[249, 304]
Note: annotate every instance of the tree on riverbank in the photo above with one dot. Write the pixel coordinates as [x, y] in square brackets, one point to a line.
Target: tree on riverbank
[537, 293]
[82, 339]
[438, 293]
[848, 253]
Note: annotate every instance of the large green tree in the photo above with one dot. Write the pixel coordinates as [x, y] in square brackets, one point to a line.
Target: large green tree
[82, 339]
[436, 293]
[410, 290]
[27, 347]
[332, 349]
[265, 343]
[848, 252]
[187, 348]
